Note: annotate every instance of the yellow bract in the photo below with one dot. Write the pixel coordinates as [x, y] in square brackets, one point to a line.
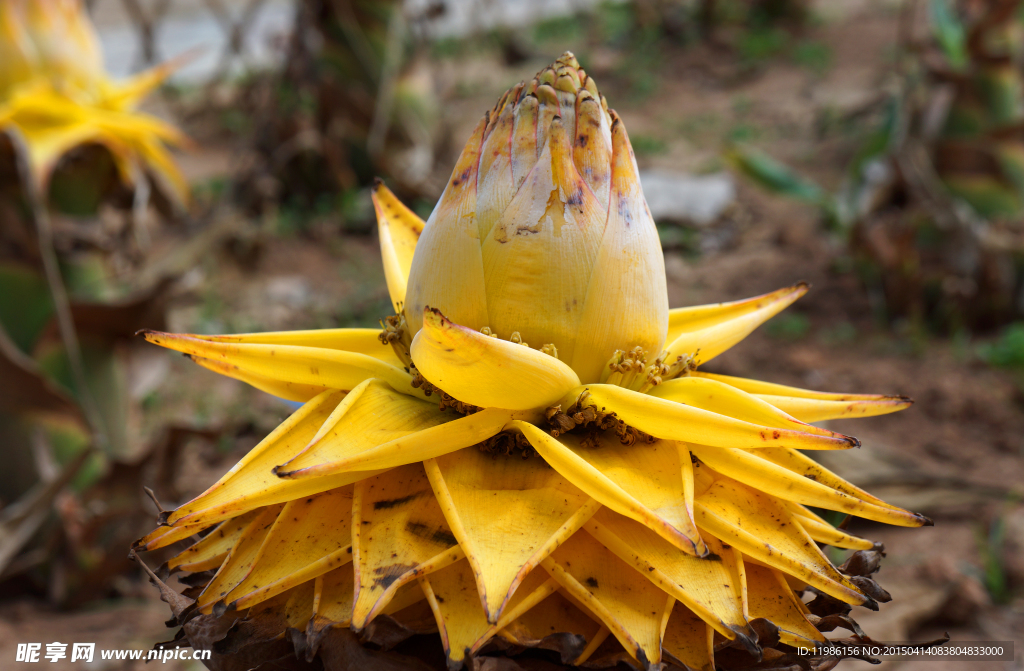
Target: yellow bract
[507, 515]
[543, 231]
[55, 96]
[482, 475]
[488, 372]
[400, 230]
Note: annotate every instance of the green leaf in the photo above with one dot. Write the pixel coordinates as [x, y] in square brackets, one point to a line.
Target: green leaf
[1000, 87]
[775, 176]
[949, 33]
[790, 326]
[991, 198]
[107, 381]
[1010, 155]
[25, 304]
[780, 179]
[1008, 350]
[879, 140]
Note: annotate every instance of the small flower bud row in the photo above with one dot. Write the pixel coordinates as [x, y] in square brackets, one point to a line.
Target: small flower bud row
[583, 415]
[396, 334]
[516, 338]
[591, 143]
[518, 127]
[445, 400]
[630, 370]
[506, 444]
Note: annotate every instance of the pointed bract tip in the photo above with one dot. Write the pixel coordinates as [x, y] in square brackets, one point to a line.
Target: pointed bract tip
[280, 472]
[641, 657]
[377, 183]
[870, 603]
[163, 517]
[925, 521]
[220, 608]
[434, 317]
[456, 664]
[151, 336]
[748, 639]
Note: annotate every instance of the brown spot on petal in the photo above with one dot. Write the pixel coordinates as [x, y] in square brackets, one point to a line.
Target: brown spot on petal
[389, 574]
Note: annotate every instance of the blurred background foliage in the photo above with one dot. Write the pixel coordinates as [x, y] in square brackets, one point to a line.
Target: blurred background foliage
[874, 147]
[933, 199]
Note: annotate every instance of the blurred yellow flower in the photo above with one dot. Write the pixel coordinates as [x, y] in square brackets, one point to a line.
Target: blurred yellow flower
[55, 95]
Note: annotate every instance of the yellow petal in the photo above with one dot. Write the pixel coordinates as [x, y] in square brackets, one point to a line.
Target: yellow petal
[333, 369]
[485, 371]
[643, 481]
[294, 607]
[627, 300]
[674, 421]
[761, 474]
[311, 536]
[814, 406]
[507, 513]
[496, 186]
[535, 588]
[280, 388]
[689, 640]
[415, 446]
[407, 595]
[161, 537]
[161, 165]
[398, 533]
[724, 399]
[627, 603]
[539, 257]
[46, 144]
[239, 560]
[769, 596]
[399, 230]
[806, 467]
[553, 615]
[523, 142]
[705, 586]
[210, 551]
[127, 94]
[706, 331]
[461, 620]
[591, 148]
[814, 410]
[332, 600]
[376, 417]
[251, 482]
[360, 341]
[829, 535]
[593, 643]
[756, 525]
[447, 271]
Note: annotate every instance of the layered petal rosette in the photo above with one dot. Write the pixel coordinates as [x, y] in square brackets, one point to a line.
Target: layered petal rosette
[530, 452]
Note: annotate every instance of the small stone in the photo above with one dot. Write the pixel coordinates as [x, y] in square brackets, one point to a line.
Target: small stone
[687, 199]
